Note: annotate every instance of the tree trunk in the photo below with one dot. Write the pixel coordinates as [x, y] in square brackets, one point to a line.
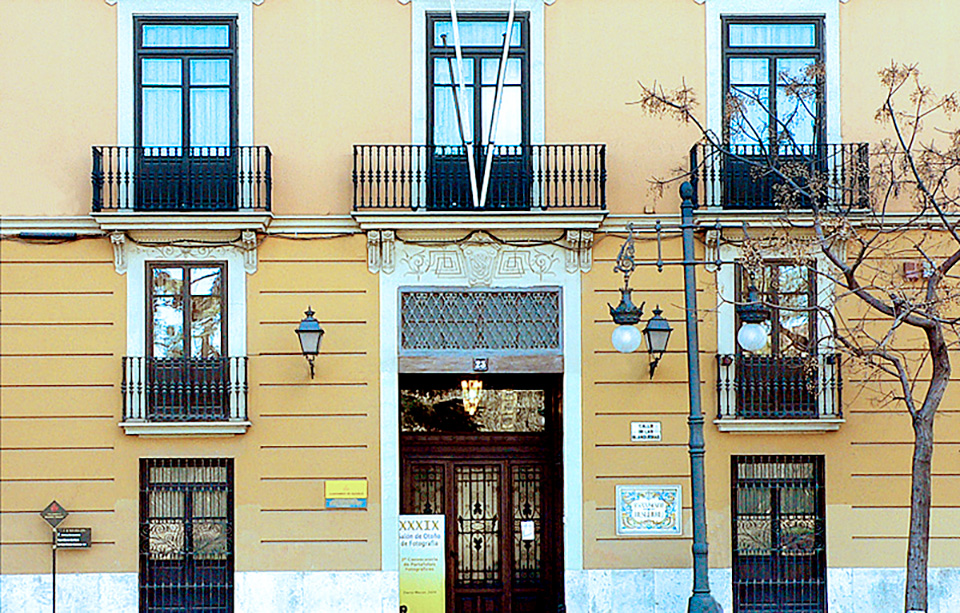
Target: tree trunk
[919, 542]
[918, 548]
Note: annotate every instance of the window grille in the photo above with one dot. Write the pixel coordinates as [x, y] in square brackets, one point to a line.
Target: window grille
[186, 535]
[495, 320]
[779, 537]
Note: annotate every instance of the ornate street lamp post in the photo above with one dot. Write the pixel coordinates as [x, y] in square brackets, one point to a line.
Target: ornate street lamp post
[626, 338]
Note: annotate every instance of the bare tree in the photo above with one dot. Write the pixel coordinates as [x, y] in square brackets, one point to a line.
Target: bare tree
[892, 242]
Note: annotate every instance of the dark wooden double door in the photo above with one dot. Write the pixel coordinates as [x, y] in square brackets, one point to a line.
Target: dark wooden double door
[501, 496]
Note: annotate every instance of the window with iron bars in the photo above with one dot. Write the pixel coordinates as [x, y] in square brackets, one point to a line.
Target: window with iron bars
[779, 537]
[186, 535]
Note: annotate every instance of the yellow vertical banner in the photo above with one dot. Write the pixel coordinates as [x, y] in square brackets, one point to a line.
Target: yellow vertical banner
[422, 545]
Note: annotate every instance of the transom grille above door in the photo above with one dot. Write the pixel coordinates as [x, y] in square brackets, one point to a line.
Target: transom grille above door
[519, 321]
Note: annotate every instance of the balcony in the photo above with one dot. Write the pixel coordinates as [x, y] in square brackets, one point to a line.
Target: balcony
[184, 395]
[522, 178]
[778, 393]
[145, 180]
[740, 178]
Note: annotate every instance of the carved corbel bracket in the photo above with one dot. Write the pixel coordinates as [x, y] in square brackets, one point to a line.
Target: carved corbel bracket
[248, 239]
[118, 240]
[381, 251]
[579, 250]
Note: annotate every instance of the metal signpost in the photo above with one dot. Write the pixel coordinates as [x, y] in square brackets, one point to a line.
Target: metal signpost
[54, 514]
[66, 538]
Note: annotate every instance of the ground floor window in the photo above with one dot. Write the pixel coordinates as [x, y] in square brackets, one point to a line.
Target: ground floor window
[779, 536]
[186, 535]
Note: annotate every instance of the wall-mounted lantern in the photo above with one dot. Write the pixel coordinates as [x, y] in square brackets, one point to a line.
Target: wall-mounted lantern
[310, 334]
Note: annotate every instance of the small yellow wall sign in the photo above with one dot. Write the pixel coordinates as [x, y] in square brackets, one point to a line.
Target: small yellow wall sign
[345, 493]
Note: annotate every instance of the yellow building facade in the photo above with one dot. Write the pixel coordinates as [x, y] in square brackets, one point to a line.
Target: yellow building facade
[186, 178]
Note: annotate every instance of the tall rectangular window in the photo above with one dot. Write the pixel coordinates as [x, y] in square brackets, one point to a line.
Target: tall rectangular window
[781, 379]
[773, 81]
[186, 535]
[464, 116]
[188, 376]
[779, 534]
[186, 112]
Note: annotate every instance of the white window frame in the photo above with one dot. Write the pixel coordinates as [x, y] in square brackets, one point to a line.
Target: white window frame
[418, 66]
[727, 345]
[828, 9]
[126, 9]
[134, 263]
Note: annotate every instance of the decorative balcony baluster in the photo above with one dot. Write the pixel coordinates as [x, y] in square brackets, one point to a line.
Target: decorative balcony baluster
[184, 389]
[174, 179]
[739, 177]
[522, 177]
[778, 387]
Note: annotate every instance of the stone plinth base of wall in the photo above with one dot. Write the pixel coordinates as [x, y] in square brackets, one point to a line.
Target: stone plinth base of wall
[851, 590]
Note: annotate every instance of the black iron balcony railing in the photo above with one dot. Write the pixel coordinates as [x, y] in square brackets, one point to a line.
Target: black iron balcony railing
[181, 179]
[741, 177]
[184, 389]
[777, 387]
[522, 177]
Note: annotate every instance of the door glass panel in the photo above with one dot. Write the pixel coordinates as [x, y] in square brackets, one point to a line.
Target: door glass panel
[749, 111]
[527, 525]
[186, 35]
[445, 76]
[426, 489]
[167, 312]
[209, 120]
[478, 525]
[162, 121]
[796, 100]
[205, 290]
[468, 409]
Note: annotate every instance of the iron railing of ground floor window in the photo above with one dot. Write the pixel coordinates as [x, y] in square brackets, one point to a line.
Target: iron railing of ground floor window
[186, 535]
[778, 387]
[748, 177]
[522, 177]
[181, 179]
[184, 389]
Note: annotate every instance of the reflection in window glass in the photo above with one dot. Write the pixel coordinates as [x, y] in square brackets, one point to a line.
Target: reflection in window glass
[497, 410]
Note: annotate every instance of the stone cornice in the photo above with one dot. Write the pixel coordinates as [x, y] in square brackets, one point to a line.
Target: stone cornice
[483, 220]
[127, 221]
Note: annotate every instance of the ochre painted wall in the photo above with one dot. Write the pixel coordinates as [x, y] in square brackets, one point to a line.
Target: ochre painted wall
[61, 341]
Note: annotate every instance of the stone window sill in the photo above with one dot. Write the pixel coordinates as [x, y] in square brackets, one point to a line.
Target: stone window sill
[185, 428]
[784, 426]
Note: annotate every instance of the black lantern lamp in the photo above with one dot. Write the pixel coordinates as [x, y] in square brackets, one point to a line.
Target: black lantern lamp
[752, 335]
[657, 334]
[310, 334]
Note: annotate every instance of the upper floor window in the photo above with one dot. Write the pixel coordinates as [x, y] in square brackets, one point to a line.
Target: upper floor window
[773, 81]
[185, 73]
[456, 119]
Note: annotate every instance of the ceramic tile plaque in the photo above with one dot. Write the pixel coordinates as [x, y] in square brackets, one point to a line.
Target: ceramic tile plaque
[648, 510]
